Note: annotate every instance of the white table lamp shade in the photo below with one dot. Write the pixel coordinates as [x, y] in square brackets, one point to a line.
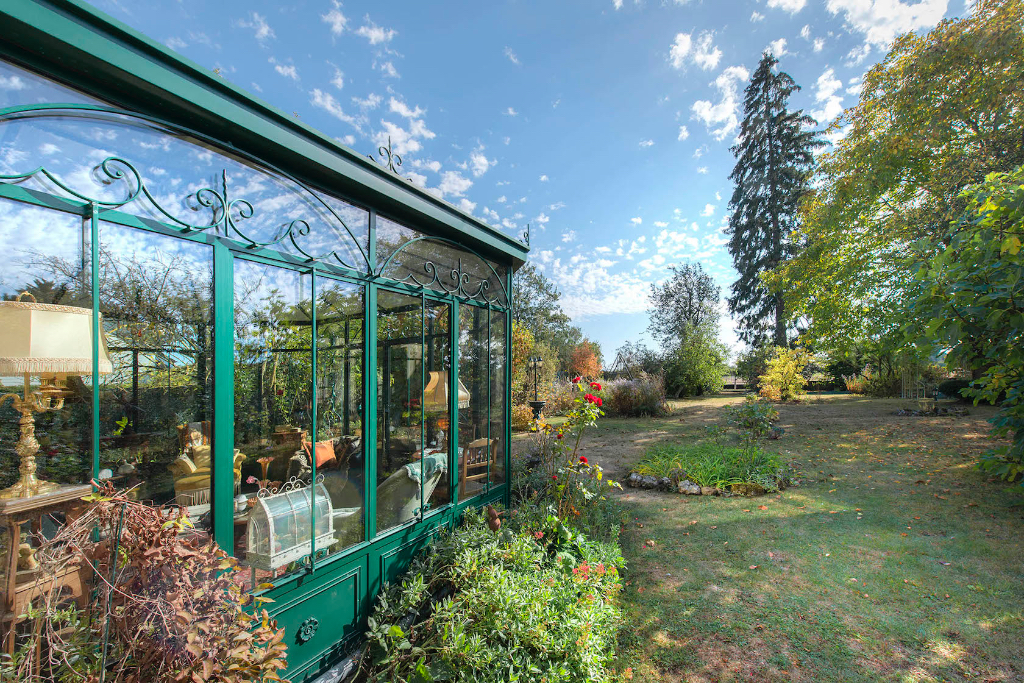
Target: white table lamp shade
[38, 339]
[435, 395]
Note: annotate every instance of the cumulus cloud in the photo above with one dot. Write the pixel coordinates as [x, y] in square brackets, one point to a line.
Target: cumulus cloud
[259, 25]
[825, 94]
[338, 80]
[543, 218]
[402, 109]
[427, 164]
[709, 210]
[819, 44]
[512, 57]
[636, 220]
[376, 34]
[175, 43]
[701, 51]
[403, 140]
[288, 71]
[778, 47]
[335, 19]
[683, 133]
[703, 170]
[324, 100]
[646, 143]
[556, 206]
[756, 16]
[511, 112]
[569, 236]
[722, 118]
[467, 205]
[791, 6]
[882, 20]
[543, 178]
[479, 163]
[660, 224]
[454, 183]
[371, 101]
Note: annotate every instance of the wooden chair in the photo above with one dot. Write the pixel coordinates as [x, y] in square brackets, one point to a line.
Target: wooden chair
[474, 461]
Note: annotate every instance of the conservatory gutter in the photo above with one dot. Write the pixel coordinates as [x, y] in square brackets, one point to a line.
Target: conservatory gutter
[85, 48]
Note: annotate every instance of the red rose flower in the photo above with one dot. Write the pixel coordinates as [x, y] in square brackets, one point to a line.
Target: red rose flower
[596, 386]
[599, 401]
[554, 477]
[559, 435]
[577, 379]
[583, 459]
[590, 398]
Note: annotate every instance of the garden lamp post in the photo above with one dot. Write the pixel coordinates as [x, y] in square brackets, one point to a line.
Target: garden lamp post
[535, 404]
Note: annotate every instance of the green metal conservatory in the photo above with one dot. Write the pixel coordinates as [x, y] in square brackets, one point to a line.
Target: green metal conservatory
[293, 341]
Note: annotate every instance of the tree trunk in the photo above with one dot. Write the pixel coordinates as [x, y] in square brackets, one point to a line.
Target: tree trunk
[780, 322]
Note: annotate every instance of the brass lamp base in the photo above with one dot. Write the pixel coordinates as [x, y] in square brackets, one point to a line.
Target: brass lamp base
[27, 447]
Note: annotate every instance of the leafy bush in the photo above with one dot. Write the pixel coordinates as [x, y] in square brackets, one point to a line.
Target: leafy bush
[528, 603]
[753, 418]
[954, 388]
[640, 397]
[522, 417]
[712, 465]
[695, 366]
[560, 396]
[783, 380]
[753, 363]
[856, 384]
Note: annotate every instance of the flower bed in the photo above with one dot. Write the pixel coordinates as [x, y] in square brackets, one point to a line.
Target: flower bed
[708, 469]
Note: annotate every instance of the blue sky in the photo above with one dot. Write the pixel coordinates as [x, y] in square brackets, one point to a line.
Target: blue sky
[605, 124]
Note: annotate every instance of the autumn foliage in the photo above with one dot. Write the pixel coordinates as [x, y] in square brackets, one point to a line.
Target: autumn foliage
[583, 361]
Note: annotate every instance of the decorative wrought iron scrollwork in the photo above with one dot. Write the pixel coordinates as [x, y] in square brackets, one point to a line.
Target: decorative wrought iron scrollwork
[458, 281]
[227, 214]
[389, 158]
[525, 239]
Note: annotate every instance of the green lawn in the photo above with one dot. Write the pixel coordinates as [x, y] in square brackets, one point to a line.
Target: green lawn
[892, 560]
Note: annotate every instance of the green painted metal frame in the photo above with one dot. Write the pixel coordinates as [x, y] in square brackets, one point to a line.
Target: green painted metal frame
[73, 43]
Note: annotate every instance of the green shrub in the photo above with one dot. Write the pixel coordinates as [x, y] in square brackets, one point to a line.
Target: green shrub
[640, 397]
[561, 397]
[953, 388]
[527, 603]
[783, 381]
[753, 418]
[711, 465]
[522, 417]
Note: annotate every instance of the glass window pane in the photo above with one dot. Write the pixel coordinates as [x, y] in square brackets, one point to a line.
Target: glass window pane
[156, 405]
[399, 417]
[339, 365]
[405, 255]
[273, 408]
[47, 254]
[105, 156]
[436, 406]
[498, 400]
[475, 444]
[20, 86]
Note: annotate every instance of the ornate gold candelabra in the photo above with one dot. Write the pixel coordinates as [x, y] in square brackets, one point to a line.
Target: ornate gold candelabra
[48, 398]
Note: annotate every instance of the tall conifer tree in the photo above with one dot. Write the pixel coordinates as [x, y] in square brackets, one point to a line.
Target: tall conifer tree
[773, 162]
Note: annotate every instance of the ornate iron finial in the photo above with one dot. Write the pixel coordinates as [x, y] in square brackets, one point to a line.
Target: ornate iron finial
[394, 160]
[526, 235]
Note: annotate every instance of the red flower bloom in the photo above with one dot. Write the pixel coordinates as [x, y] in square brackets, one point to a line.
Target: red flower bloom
[554, 476]
[596, 386]
[577, 379]
[559, 435]
[583, 459]
[599, 401]
[590, 398]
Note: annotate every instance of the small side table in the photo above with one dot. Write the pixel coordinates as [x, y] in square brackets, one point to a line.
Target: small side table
[15, 595]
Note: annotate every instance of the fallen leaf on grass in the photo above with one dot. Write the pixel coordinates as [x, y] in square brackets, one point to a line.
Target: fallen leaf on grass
[762, 507]
[944, 564]
[753, 566]
[746, 510]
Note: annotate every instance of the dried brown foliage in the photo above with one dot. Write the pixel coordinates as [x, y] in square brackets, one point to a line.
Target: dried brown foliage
[168, 602]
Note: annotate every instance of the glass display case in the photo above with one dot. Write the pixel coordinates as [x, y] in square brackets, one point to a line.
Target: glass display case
[279, 524]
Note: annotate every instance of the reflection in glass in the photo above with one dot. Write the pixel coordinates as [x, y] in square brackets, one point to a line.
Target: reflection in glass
[339, 402]
[413, 353]
[156, 406]
[497, 396]
[46, 253]
[476, 445]
[22, 87]
[273, 385]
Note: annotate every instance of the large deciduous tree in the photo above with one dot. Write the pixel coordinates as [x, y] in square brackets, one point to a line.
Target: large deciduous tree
[535, 306]
[773, 161]
[686, 301]
[940, 112]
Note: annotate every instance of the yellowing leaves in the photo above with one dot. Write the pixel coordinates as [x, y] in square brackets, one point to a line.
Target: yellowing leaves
[1010, 245]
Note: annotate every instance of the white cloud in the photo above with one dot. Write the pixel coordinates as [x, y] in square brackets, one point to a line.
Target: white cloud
[722, 118]
[646, 143]
[511, 55]
[506, 139]
[778, 47]
[683, 133]
[348, 140]
[511, 112]
[259, 26]
[819, 44]
[855, 86]
[502, 199]
[417, 179]
[700, 151]
[335, 19]
[326, 101]
[882, 20]
[832, 104]
[636, 220]
[805, 32]
[709, 210]
[467, 205]
[702, 52]
[791, 6]
[338, 81]
[569, 236]
[402, 109]
[12, 83]
[479, 163]
[756, 16]
[858, 54]
[372, 101]
[288, 71]
[175, 43]
[543, 218]
[703, 170]
[388, 68]
[427, 164]
[375, 34]
[403, 141]
[491, 214]
[543, 178]
[617, 4]
[454, 183]
[660, 224]
[556, 206]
